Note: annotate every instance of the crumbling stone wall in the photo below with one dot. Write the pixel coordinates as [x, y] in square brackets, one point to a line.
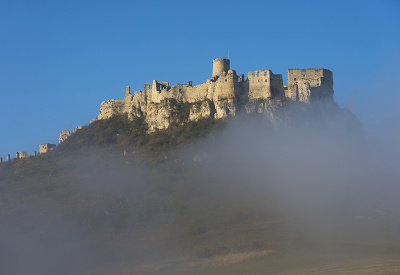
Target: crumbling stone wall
[224, 94]
[64, 135]
[264, 85]
[46, 147]
[306, 85]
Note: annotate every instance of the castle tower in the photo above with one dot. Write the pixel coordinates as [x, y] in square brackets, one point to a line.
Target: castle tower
[220, 65]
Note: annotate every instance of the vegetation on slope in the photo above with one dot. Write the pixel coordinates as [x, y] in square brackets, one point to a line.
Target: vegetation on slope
[124, 133]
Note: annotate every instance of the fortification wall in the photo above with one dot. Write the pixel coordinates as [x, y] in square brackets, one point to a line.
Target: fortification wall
[46, 147]
[223, 95]
[307, 84]
[259, 84]
[111, 107]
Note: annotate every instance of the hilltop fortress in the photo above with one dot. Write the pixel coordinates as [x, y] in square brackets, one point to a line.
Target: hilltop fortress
[224, 94]
[227, 94]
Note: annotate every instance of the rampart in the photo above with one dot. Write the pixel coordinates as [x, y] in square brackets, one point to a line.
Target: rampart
[224, 94]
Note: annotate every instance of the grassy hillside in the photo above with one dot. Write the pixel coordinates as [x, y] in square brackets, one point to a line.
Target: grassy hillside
[121, 132]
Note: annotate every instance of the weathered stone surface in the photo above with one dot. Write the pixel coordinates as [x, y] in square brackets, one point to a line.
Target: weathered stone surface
[201, 110]
[306, 85]
[46, 147]
[225, 94]
[77, 128]
[23, 155]
[64, 135]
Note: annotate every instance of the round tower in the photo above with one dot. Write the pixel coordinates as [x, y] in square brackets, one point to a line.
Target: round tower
[220, 65]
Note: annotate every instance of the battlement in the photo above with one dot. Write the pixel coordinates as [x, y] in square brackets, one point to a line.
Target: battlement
[226, 92]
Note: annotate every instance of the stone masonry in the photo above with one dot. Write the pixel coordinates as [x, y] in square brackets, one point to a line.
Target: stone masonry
[224, 94]
[46, 147]
[64, 135]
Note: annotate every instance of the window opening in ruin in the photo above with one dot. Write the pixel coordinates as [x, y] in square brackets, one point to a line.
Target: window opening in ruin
[316, 72]
[258, 74]
[149, 86]
[265, 73]
[226, 80]
[266, 80]
[254, 74]
[294, 79]
[303, 72]
[179, 89]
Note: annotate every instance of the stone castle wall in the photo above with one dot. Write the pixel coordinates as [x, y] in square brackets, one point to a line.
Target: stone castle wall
[224, 94]
[308, 84]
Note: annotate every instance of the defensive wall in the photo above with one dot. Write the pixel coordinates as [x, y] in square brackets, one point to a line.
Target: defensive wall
[227, 94]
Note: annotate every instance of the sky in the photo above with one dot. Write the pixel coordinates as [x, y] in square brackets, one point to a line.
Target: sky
[60, 59]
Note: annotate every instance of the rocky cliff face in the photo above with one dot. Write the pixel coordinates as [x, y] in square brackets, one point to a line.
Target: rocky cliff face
[225, 94]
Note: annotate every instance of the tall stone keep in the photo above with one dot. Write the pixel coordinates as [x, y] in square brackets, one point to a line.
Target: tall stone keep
[220, 66]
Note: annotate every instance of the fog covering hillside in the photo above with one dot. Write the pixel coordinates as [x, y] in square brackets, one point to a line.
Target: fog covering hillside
[244, 196]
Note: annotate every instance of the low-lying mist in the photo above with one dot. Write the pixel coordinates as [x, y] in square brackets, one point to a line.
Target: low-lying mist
[299, 187]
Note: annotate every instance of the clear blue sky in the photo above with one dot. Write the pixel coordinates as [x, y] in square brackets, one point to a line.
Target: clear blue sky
[60, 59]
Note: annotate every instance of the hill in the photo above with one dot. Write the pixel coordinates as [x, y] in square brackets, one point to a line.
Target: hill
[239, 196]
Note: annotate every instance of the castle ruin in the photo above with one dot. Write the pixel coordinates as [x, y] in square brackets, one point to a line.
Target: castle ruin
[46, 147]
[224, 94]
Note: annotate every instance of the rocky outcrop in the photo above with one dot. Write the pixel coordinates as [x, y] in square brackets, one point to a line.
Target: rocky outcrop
[203, 109]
